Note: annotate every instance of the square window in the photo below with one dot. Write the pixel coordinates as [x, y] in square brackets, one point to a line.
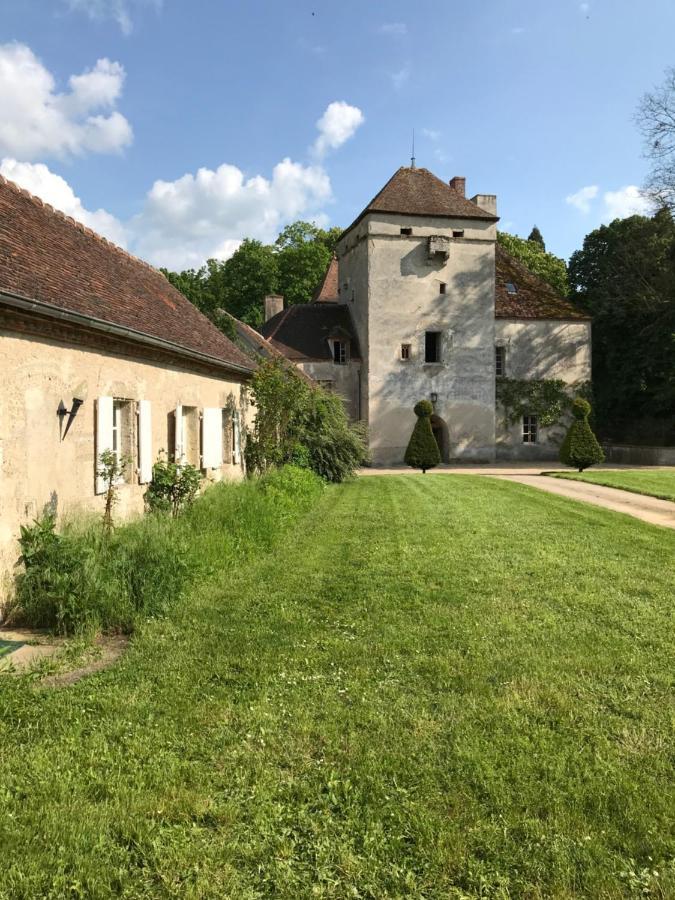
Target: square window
[458, 233]
[406, 231]
[405, 351]
[530, 429]
[432, 347]
[500, 362]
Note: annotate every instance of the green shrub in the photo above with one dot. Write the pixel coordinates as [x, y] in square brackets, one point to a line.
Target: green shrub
[300, 424]
[86, 578]
[422, 451]
[580, 449]
[173, 488]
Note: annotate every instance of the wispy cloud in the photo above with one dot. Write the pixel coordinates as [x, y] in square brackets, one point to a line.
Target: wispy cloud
[584, 8]
[120, 11]
[400, 77]
[432, 134]
[583, 197]
[518, 29]
[626, 201]
[393, 29]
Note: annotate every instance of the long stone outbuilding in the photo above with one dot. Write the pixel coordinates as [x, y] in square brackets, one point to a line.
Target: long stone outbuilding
[421, 301]
[99, 352]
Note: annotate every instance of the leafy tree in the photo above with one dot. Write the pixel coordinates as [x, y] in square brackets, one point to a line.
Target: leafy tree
[195, 284]
[537, 260]
[303, 253]
[422, 451]
[536, 238]
[247, 276]
[580, 448]
[174, 487]
[656, 119]
[624, 276]
[300, 424]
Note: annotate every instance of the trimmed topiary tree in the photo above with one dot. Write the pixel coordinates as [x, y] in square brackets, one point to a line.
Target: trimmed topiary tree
[580, 449]
[422, 451]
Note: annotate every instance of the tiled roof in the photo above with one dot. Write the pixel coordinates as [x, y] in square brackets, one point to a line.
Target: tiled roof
[255, 345]
[48, 257]
[301, 332]
[327, 289]
[418, 192]
[534, 297]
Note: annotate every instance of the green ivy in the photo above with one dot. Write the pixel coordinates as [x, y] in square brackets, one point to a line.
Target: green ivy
[548, 399]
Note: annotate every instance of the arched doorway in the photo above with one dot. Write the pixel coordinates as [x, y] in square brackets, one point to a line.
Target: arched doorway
[440, 430]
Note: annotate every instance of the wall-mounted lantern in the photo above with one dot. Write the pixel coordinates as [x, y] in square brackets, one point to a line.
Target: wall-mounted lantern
[79, 396]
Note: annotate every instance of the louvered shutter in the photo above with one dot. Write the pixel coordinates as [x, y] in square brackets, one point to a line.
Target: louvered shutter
[145, 459]
[104, 435]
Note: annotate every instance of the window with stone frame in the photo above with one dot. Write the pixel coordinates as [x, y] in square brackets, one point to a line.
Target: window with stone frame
[530, 429]
[228, 437]
[405, 352]
[340, 352]
[124, 436]
[432, 347]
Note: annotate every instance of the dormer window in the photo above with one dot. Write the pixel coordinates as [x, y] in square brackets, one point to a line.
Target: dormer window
[340, 353]
[511, 288]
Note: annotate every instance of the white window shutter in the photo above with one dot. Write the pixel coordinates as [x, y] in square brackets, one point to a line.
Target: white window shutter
[179, 448]
[212, 438]
[104, 435]
[236, 444]
[145, 459]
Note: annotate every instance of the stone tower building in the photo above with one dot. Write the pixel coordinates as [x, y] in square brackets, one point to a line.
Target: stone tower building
[421, 302]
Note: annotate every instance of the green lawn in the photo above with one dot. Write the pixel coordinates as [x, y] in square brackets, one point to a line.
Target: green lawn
[433, 687]
[656, 483]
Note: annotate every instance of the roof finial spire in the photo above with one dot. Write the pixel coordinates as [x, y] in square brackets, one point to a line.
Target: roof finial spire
[412, 158]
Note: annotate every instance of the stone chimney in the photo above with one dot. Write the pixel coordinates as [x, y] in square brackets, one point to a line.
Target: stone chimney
[274, 303]
[458, 184]
[488, 202]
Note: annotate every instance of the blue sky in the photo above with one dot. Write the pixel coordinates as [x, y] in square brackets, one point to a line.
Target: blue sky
[177, 128]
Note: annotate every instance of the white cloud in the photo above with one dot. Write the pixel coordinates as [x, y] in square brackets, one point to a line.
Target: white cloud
[584, 8]
[118, 10]
[393, 29]
[627, 201]
[432, 134]
[198, 216]
[51, 188]
[338, 123]
[38, 121]
[399, 78]
[583, 197]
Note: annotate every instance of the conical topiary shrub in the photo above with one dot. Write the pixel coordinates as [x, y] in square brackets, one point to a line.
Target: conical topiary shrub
[422, 451]
[580, 449]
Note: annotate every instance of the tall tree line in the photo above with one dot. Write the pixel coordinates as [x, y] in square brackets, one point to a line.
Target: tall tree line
[292, 266]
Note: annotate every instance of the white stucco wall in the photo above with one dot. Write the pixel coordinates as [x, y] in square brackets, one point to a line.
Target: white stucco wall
[541, 349]
[37, 467]
[401, 300]
[344, 380]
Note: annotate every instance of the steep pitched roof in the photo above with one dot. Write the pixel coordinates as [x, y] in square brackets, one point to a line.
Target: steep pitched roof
[534, 297]
[48, 257]
[255, 345]
[418, 192]
[301, 332]
[327, 289]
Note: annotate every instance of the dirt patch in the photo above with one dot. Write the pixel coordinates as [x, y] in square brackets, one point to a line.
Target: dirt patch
[111, 648]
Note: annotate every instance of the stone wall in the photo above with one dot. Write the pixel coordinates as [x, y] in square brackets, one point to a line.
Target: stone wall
[344, 380]
[399, 302]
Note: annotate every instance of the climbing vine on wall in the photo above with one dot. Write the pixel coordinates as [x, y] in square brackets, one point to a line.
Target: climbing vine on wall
[548, 399]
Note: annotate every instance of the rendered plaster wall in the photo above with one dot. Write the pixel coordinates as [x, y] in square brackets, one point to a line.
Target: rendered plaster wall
[344, 380]
[541, 349]
[405, 301]
[38, 468]
[352, 254]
